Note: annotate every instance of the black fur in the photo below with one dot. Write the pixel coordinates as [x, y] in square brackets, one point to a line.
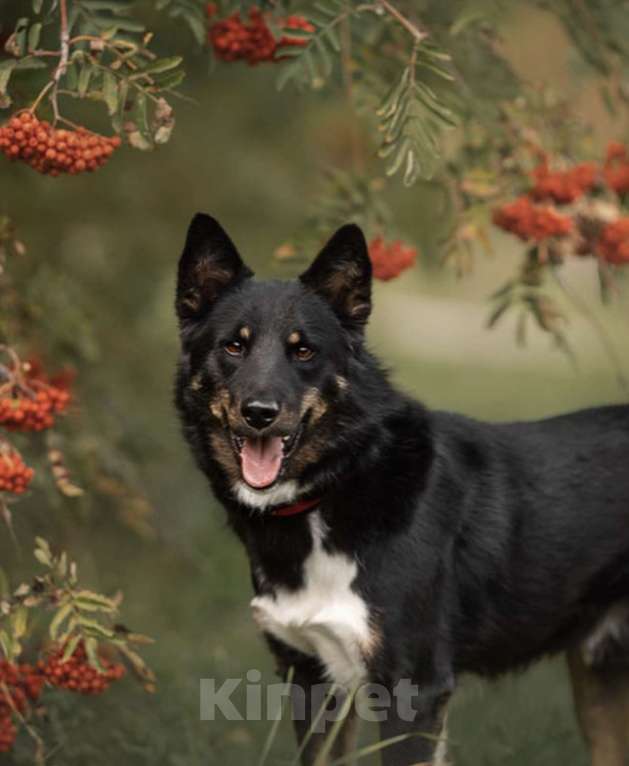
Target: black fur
[482, 547]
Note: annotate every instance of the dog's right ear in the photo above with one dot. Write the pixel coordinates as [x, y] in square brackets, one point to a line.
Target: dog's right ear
[209, 265]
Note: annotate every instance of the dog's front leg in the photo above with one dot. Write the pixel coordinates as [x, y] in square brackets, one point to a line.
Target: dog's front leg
[314, 712]
[417, 713]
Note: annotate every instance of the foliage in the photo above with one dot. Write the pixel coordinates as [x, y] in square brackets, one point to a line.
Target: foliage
[433, 96]
[100, 53]
[81, 629]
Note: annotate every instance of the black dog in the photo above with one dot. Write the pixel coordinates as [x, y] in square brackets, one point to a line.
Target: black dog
[388, 542]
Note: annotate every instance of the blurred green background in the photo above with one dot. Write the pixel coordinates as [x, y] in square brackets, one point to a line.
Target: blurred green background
[101, 259]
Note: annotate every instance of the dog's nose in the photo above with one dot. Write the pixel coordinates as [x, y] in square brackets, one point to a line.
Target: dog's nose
[258, 414]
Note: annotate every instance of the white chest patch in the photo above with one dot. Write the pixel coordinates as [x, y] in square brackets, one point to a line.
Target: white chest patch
[283, 493]
[325, 618]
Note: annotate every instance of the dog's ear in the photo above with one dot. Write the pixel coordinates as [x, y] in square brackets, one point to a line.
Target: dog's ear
[209, 265]
[341, 275]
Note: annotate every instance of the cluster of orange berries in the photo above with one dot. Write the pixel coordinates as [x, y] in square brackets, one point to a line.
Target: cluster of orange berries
[33, 412]
[15, 475]
[27, 403]
[24, 684]
[389, 259]
[531, 222]
[233, 39]
[54, 151]
[533, 217]
[8, 733]
[616, 170]
[77, 675]
[613, 243]
[563, 186]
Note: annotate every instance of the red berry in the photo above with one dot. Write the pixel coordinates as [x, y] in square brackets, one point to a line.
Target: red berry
[52, 151]
[531, 222]
[613, 245]
[15, 475]
[388, 260]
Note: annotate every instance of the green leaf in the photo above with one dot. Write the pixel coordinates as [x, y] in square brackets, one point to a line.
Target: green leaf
[197, 26]
[391, 101]
[19, 621]
[62, 566]
[20, 35]
[469, 17]
[30, 62]
[412, 169]
[110, 93]
[42, 552]
[91, 649]
[161, 65]
[6, 644]
[170, 80]
[113, 6]
[62, 613]
[288, 72]
[6, 70]
[37, 6]
[87, 599]
[34, 33]
[118, 118]
[126, 25]
[85, 75]
[70, 648]
[498, 312]
[399, 159]
[94, 626]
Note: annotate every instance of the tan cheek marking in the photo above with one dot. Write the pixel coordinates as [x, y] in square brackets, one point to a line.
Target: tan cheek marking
[220, 403]
[314, 402]
[342, 383]
[245, 332]
[225, 455]
[294, 338]
[195, 383]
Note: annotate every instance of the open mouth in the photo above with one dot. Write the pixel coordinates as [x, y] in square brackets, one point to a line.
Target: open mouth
[262, 458]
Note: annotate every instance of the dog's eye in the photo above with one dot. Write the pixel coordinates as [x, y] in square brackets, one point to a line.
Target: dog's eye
[234, 348]
[303, 353]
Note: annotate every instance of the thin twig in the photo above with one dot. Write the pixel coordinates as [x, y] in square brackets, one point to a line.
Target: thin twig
[609, 348]
[418, 34]
[40, 97]
[42, 53]
[62, 66]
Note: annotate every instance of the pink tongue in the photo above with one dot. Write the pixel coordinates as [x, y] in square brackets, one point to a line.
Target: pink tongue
[261, 460]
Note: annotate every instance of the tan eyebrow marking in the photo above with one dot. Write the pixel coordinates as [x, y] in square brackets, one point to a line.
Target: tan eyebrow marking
[294, 337]
[245, 332]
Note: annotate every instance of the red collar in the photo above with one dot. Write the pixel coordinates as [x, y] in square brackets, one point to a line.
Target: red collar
[299, 507]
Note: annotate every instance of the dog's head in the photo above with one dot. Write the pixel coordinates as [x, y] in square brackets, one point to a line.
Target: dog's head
[263, 370]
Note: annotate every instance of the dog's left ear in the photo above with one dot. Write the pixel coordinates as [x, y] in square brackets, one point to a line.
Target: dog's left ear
[341, 275]
[209, 265]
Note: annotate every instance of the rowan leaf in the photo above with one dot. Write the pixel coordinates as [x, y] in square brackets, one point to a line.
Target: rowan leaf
[62, 613]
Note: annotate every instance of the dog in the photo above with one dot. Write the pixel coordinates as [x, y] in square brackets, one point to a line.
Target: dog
[387, 541]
